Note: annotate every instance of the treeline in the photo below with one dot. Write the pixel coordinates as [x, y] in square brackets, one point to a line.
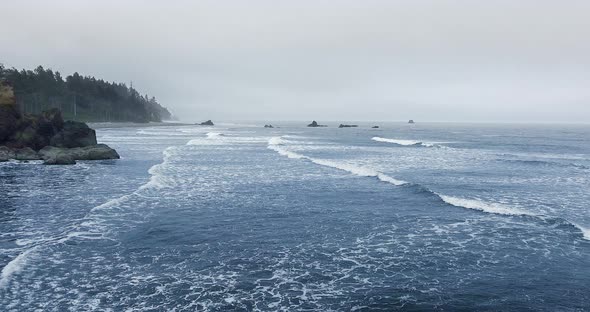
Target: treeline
[83, 98]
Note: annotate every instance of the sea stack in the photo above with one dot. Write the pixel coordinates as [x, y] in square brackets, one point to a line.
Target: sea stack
[207, 123]
[314, 124]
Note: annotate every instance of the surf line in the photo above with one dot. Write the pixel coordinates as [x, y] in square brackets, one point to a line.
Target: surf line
[277, 143]
[19, 262]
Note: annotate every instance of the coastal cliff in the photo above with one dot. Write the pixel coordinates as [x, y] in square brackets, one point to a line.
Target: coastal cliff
[45, 136]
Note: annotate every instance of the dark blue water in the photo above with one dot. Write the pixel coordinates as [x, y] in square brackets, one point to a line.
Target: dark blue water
[240, 218]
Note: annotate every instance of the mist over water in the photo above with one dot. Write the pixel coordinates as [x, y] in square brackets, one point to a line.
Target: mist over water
[238, 217]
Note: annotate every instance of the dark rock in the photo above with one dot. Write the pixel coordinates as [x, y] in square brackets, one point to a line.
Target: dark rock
[74, 134]
[96, 152]
[375, 127]
[60, 158]
[207, 123]
[26, 153]
[6, 153]
[315, 124]
[347, 126]
[268, 126]
[411, 121]
[58, 142]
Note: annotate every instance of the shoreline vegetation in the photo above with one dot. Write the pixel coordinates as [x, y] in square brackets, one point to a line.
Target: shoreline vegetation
[81, 98]
[45, 136]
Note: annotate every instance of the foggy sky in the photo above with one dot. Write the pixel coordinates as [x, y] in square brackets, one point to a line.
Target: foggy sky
[429, 60]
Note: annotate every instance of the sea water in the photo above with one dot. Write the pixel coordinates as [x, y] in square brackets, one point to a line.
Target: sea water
[238, 217]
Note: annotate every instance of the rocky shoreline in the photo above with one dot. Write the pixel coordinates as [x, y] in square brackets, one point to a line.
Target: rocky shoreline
[45, 136]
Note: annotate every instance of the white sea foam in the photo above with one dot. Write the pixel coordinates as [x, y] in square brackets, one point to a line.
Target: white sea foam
[213, 135]
[14, 266]
[17, 264]
[275, 144]
[585, 230]
[404, 142]
[484, 206]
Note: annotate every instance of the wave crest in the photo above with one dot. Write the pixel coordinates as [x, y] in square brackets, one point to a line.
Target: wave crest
[403, 142]
[276, 144]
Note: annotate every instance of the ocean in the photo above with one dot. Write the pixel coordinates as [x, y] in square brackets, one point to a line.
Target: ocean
[236, 217]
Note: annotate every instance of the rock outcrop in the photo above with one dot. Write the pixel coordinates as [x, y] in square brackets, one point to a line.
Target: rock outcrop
[268, 126]
[45, 136]
[411, 121]
[314, 124]
[375, 127]
[347, 126]
[207, 123]
[74, 134]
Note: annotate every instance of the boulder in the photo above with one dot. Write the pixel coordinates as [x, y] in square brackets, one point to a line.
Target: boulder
[26, 153]
[96, 152]
[74, 134]
[60, 158]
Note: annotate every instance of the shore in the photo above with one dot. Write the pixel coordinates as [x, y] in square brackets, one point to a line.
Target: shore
[103, 125]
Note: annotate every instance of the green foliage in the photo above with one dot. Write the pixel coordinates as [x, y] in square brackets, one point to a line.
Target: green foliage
[83, 98]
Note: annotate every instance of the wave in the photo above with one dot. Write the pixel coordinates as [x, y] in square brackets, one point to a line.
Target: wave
[213, 135]
[14, 266]
[480, 205]
[531, 162]
[585, 230]
[87, 229]
[276, 142]
[403, 142]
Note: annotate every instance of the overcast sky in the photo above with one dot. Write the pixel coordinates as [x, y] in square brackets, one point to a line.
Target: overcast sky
[429, 60]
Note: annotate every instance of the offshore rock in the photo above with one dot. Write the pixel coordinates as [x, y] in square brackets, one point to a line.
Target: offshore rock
[314, 124]
[207, 123]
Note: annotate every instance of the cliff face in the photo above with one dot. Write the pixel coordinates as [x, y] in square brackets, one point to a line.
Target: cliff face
[9, 114]
[6, 94]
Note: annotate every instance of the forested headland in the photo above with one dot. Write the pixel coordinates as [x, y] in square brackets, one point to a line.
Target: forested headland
[83, 98]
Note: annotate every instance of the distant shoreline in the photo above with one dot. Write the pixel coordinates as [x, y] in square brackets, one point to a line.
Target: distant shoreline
[103, 125]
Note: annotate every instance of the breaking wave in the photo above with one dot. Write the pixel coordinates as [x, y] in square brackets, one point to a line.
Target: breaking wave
[89, 228]
[277, 144]
[480, 205]
[403, 142]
